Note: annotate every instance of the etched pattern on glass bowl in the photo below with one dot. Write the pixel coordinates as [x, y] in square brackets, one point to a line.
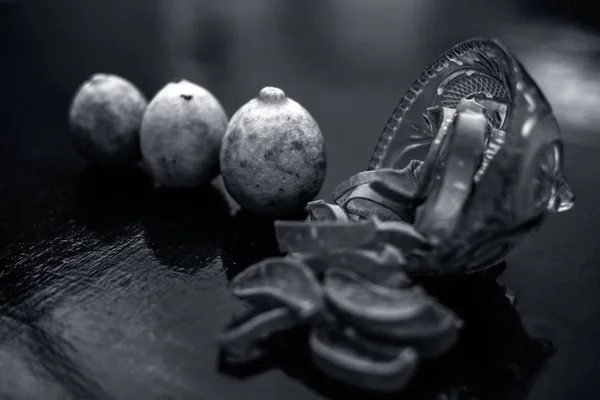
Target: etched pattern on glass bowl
[521, 182]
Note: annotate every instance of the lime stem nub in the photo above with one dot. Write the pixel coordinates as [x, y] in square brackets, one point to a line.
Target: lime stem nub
[272, 95]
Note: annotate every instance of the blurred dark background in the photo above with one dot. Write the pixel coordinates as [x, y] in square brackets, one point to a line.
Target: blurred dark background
[146, 329]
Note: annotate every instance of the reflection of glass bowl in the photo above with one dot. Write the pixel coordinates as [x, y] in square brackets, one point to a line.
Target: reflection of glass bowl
[495, 119]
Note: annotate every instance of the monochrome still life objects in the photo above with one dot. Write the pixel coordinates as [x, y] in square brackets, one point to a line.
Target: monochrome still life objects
[469, 164]
[273, 157]
[105, 118]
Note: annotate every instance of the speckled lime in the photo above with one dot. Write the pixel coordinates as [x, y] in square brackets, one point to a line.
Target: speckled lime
[105, 118]
[181, 135]
[273, 158]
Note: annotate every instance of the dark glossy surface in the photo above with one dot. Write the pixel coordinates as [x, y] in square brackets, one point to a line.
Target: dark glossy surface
[110, 290]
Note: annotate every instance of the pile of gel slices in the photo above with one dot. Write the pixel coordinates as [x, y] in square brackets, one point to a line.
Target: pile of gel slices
[345, 276]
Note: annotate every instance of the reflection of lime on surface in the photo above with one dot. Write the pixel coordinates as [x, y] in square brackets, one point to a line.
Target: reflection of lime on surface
[181, 135]
[105, 118]
[273, 155]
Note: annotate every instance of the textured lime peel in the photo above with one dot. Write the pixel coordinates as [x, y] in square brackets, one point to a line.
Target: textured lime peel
[181, 135]
[273, 157]
[469, 164]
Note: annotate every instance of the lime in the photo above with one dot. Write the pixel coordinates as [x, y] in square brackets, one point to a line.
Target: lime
[105, 118]
[181, 135]
[273, 155]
